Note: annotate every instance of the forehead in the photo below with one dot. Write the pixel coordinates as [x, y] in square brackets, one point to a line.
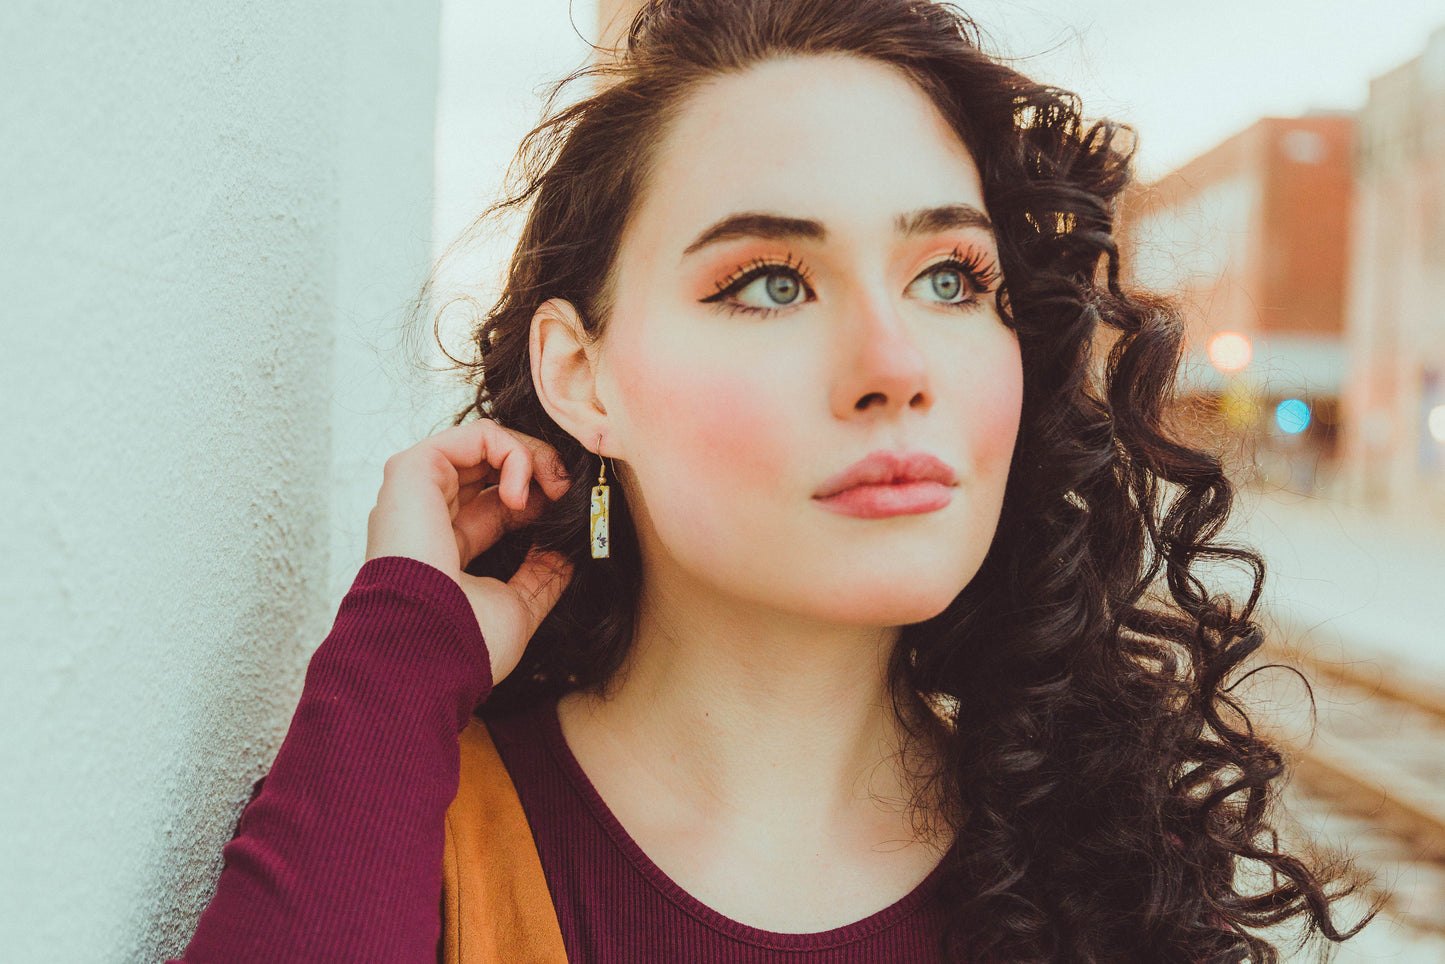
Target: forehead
[850, 142]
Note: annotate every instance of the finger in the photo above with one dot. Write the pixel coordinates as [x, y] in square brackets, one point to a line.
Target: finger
[545, 466]
[466, 494]
[539, 582]
[481, 522]
[471, 490]
[449, 459]
[468, 474]
[484, 442]
[516, 476]
[550, 473]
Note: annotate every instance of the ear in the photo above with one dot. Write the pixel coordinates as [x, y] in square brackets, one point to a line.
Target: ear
[564, 371]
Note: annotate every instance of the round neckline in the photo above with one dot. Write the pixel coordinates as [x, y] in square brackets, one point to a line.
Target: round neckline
[868, 926]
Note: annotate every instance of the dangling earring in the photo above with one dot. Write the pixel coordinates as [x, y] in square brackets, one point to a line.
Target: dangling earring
[599, 508]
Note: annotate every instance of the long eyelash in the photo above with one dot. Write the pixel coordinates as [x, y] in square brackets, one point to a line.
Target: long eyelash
[982, 273]
[750, 272]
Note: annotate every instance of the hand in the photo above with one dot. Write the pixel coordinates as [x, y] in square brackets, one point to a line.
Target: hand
[449, 498]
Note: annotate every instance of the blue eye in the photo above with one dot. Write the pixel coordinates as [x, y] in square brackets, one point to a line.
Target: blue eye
[956, 282]
[764, 287]
[947, 283]
[783, 289]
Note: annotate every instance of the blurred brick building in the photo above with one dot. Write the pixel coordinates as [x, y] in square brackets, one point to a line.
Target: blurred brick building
[1253, 237]
[1396, 308]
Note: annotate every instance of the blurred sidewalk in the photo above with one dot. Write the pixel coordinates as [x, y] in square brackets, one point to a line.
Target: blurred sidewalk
[1363, 585]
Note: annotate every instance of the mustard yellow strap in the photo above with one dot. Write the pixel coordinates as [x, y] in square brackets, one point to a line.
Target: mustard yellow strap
[496, 907]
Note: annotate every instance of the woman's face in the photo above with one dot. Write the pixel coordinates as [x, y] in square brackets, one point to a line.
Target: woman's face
[806, 281]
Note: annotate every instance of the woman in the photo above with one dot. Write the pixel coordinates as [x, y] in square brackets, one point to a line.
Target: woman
[890, 647]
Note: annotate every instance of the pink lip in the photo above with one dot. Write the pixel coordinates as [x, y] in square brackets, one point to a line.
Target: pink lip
[889, 483]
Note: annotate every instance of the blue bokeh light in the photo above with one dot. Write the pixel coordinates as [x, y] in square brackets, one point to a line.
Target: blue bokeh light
[1292, 416]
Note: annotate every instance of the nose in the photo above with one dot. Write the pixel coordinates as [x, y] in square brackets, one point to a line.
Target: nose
[882, 368]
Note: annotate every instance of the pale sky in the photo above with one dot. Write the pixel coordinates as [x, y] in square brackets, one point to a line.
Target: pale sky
[1185, 75]
[1188, 75]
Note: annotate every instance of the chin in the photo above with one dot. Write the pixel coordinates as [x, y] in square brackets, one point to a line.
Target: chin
[889, 603]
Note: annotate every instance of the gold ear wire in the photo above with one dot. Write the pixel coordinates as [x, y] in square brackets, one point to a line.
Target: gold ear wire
[600, 505]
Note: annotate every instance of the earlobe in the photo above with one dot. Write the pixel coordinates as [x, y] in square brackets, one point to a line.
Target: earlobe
[564, 373]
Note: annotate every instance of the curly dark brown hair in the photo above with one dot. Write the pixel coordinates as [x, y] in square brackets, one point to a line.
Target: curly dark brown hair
[1106, 787]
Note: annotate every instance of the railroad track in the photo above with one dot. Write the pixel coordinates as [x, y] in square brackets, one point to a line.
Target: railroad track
[1368, 772]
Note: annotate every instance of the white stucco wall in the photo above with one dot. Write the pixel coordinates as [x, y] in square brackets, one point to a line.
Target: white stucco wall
[209, 214]
[498, 59]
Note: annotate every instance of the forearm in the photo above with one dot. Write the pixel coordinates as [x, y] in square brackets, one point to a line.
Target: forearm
[339, 856]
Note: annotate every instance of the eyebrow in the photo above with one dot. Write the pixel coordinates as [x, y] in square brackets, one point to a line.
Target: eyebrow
[776, 227]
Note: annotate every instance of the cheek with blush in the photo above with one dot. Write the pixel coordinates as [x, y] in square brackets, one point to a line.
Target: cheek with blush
[992, 417]
[707, 438]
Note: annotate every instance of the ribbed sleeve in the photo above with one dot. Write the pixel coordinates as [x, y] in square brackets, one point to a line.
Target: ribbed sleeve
[338, 858]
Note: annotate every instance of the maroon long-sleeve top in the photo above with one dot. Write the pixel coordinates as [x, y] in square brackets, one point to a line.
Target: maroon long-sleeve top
[338, 858]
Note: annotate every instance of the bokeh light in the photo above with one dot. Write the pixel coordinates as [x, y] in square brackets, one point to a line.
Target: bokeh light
[1436, 422]
[1292, 416]
[1229, 351]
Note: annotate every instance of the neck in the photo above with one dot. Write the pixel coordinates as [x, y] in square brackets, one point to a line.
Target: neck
[751, 706]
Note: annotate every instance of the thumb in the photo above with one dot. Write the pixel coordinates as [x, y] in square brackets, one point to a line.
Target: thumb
[539, 582]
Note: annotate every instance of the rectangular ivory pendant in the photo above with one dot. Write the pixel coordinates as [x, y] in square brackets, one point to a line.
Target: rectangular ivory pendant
[599, 521]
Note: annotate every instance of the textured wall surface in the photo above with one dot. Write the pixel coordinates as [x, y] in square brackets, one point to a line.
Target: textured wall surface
[211, 215]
